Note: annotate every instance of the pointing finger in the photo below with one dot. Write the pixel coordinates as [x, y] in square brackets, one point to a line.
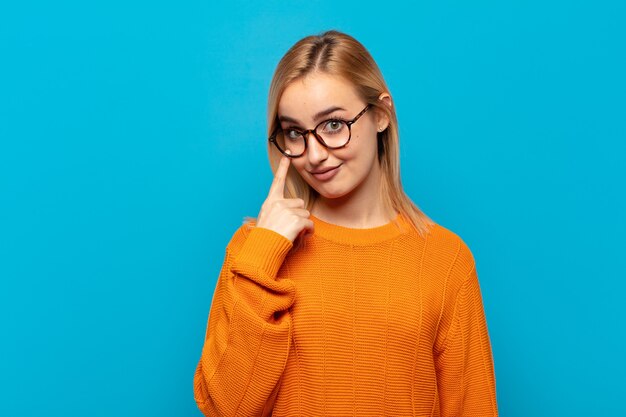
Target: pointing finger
[278, 184]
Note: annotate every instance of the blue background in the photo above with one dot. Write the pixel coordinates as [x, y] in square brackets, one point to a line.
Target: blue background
[132, 144]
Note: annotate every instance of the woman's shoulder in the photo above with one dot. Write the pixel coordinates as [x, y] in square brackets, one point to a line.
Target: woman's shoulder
[450, 249]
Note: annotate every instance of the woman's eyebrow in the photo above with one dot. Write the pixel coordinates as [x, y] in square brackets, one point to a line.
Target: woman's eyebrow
[317, 116]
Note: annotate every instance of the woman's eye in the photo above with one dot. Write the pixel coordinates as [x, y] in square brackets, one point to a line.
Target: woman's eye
[292, 134]
[333, 126]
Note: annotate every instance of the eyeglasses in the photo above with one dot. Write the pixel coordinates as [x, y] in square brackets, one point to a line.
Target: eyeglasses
[331, 133]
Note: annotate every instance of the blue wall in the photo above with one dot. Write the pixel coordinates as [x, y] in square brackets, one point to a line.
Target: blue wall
[132, 144]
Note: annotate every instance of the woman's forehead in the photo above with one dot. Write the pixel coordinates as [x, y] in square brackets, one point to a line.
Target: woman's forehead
[312, 94]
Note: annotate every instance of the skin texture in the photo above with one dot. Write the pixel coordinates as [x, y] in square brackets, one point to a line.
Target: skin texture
[348, 198]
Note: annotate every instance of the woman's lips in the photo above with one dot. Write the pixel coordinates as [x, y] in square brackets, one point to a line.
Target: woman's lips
[328, 174]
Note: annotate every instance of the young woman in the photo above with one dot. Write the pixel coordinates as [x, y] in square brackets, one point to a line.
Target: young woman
[342, 297]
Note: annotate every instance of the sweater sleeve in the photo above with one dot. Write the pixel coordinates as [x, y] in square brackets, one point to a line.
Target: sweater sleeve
[249, 328]
[465, 370]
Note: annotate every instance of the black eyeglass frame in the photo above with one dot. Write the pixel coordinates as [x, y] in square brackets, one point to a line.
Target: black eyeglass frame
[305, 133]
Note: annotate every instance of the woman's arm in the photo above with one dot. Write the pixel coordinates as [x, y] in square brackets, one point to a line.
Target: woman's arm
[249, 328]
[465, 371]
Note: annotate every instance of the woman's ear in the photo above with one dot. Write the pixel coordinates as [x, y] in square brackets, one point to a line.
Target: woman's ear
[382, 121]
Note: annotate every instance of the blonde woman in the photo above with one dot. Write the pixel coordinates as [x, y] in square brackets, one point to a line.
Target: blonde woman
[342, 297]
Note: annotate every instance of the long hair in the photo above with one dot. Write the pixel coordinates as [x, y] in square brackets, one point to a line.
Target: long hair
[338, 54]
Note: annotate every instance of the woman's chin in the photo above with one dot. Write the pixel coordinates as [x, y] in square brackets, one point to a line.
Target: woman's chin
[329, 191]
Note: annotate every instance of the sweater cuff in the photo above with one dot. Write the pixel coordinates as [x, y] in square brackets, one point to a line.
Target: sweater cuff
[265, 249]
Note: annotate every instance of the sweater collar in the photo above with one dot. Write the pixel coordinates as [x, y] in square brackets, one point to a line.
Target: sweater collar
[357, 236]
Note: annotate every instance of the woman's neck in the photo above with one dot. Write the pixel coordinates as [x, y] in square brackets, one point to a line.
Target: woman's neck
[352, 213]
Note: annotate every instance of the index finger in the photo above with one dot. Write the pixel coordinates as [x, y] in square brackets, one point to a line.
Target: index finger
[277, 188]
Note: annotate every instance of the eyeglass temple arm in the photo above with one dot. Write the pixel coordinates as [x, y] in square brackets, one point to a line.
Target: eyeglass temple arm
[351, 122]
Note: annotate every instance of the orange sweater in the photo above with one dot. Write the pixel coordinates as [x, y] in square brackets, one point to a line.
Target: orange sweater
[358, 322]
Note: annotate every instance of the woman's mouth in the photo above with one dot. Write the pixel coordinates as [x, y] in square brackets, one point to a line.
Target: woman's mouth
[324, 176]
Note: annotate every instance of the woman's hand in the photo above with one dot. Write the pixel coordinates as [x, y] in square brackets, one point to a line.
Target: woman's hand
[286, 216]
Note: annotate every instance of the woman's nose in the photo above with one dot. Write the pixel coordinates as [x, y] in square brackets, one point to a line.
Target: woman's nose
[316, 152]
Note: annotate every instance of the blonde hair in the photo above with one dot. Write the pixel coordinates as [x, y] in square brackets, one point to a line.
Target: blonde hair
[338, 54]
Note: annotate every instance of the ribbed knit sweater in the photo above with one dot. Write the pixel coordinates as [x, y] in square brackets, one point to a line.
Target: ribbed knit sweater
[358, 322]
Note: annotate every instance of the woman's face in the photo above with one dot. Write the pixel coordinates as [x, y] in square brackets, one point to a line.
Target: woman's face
[357, 162]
